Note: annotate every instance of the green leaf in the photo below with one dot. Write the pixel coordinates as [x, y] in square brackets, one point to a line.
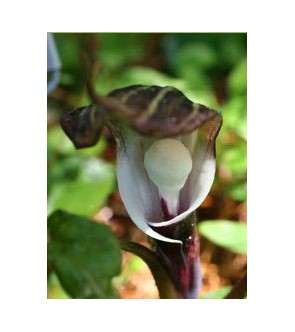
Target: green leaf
[54, 288]
[194, 56]
[237, 191]
[235, 159]
[84, 255]
[220, 293]
[232, 48]
[234, 114]
[237, 81]
[87, 193]
[228, 234]
[118, 49]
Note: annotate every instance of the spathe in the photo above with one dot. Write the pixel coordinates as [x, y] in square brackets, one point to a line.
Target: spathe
[138, 115]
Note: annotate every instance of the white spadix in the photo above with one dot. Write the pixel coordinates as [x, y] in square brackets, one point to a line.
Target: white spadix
[168, 164]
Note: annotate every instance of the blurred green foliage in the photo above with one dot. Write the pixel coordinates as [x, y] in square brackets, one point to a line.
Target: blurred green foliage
[78, 181]
[77, 252]
[220, 293]
[228, 234]
[209, 68]
[54, 288]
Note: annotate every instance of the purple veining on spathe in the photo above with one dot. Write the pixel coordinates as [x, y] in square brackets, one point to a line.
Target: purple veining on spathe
[166, 214]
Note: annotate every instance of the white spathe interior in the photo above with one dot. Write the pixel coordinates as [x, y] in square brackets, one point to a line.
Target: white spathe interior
[141, 197]
[201, 189]
[199, 181]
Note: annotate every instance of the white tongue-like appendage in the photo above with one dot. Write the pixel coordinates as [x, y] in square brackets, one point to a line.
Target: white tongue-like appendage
[168, 163]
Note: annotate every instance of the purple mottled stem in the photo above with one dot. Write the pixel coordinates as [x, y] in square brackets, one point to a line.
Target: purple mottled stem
[182, 261]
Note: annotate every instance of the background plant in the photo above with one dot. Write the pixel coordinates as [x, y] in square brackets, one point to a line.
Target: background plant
[209, 69]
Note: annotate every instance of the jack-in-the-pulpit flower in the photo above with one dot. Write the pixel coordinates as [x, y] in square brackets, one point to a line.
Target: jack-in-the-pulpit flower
[165, 166]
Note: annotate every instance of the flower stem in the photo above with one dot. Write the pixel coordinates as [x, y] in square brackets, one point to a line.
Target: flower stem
[182, 260]
[163, 281]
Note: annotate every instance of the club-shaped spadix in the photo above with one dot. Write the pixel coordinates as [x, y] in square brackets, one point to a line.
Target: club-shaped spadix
[168, 164]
